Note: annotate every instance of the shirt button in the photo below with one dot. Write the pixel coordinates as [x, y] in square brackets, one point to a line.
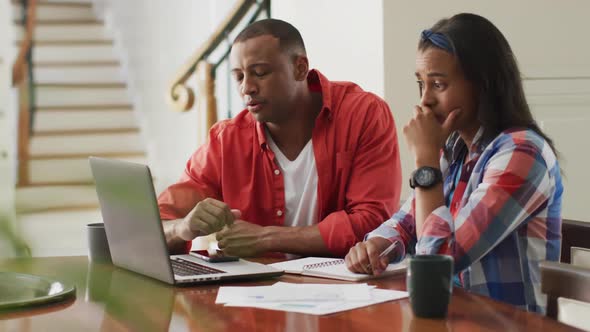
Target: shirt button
[279, 213]
[277, 172]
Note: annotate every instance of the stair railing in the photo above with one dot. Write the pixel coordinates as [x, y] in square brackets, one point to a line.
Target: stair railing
[181, 96]
[22, 77]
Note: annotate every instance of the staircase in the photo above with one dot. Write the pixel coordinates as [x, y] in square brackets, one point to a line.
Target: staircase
[82, 109]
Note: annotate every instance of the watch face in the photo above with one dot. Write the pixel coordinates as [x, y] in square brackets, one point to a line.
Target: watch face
[424, 177]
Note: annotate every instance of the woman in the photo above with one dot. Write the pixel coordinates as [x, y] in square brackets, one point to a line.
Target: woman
[493, 199]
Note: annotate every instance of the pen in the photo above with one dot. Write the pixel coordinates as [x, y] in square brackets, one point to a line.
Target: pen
[384, 253]
[388, 249]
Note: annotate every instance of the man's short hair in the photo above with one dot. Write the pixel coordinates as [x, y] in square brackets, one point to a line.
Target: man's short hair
[289, 37]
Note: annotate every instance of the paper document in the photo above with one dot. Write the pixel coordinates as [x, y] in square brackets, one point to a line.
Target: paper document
[283, 291]
[314, 299]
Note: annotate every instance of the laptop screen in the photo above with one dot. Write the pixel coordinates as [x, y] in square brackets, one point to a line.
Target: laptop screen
[132, 220]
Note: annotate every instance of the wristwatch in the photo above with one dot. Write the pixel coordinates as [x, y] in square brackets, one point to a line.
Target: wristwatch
[425, 177]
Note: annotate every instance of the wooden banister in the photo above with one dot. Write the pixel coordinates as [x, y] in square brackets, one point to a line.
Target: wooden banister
[182, 97]
[21, 77]
[19, 66]
[206, 86]
[24, 123]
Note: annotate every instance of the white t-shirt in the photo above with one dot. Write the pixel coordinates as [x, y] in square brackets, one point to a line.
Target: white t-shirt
[301, 185]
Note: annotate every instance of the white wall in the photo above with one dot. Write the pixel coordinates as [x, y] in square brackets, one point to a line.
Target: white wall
[8, 108]
[344, 39]
[8, 116]
[549, 40]
[155, 38]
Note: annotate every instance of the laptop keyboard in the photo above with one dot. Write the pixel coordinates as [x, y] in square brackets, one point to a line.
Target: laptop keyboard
[183, 267]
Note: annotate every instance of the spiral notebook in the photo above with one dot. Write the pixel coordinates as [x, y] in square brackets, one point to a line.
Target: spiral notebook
[332, 268]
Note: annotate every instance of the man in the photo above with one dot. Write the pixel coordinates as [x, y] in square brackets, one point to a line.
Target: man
[317, 156]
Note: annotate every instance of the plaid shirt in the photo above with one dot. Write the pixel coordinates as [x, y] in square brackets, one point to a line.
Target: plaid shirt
[508, 219]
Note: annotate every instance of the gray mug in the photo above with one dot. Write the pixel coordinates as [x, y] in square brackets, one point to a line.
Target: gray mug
[430, 284]
[98, 246]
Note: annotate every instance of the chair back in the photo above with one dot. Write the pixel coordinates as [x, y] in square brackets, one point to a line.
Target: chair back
[574, 233]
[580, 257]
[574, 313]
[564, 280]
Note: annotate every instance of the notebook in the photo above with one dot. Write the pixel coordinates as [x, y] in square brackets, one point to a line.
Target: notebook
[135, 235]
[332, 269]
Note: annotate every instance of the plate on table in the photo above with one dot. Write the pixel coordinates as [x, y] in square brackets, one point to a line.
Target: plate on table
[20, 291]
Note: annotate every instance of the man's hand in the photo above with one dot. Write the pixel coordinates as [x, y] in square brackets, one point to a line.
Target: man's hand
[242, 239]
[364, 256]
[208, 216]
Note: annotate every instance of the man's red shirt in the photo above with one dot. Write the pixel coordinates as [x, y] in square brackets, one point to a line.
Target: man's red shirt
[357, 161]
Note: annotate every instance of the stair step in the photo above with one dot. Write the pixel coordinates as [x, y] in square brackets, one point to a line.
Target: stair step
[62, 171]
[113, 155]
[54, 183]
[58, 11]
[77, 74]
[40, 22]
[82, 85]
[48, 198]
[75, 3]
[73, 53]
[84, 144]
[90, 120]
[66, 32]
[70, 95]
[85, 108]
[78, 132]
[76, 42]
[78, 64]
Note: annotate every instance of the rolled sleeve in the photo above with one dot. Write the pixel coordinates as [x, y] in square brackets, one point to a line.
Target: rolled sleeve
[389, 233]
[384, 231]
[400, 228]
[341, 231]
[437, 232]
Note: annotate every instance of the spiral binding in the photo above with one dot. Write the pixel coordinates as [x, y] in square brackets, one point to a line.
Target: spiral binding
[323, 264]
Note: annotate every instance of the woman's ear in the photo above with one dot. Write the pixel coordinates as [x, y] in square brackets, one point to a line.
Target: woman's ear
[301, 67]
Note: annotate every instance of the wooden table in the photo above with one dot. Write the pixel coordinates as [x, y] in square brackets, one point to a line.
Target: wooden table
[113, 299]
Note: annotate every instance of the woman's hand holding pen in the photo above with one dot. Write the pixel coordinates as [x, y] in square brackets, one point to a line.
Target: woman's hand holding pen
[371, 256]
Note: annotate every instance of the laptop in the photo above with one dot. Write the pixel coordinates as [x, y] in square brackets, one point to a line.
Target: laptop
[136, 237]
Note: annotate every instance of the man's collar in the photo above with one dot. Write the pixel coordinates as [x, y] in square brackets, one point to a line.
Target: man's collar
[457, 142]
[315, 78]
